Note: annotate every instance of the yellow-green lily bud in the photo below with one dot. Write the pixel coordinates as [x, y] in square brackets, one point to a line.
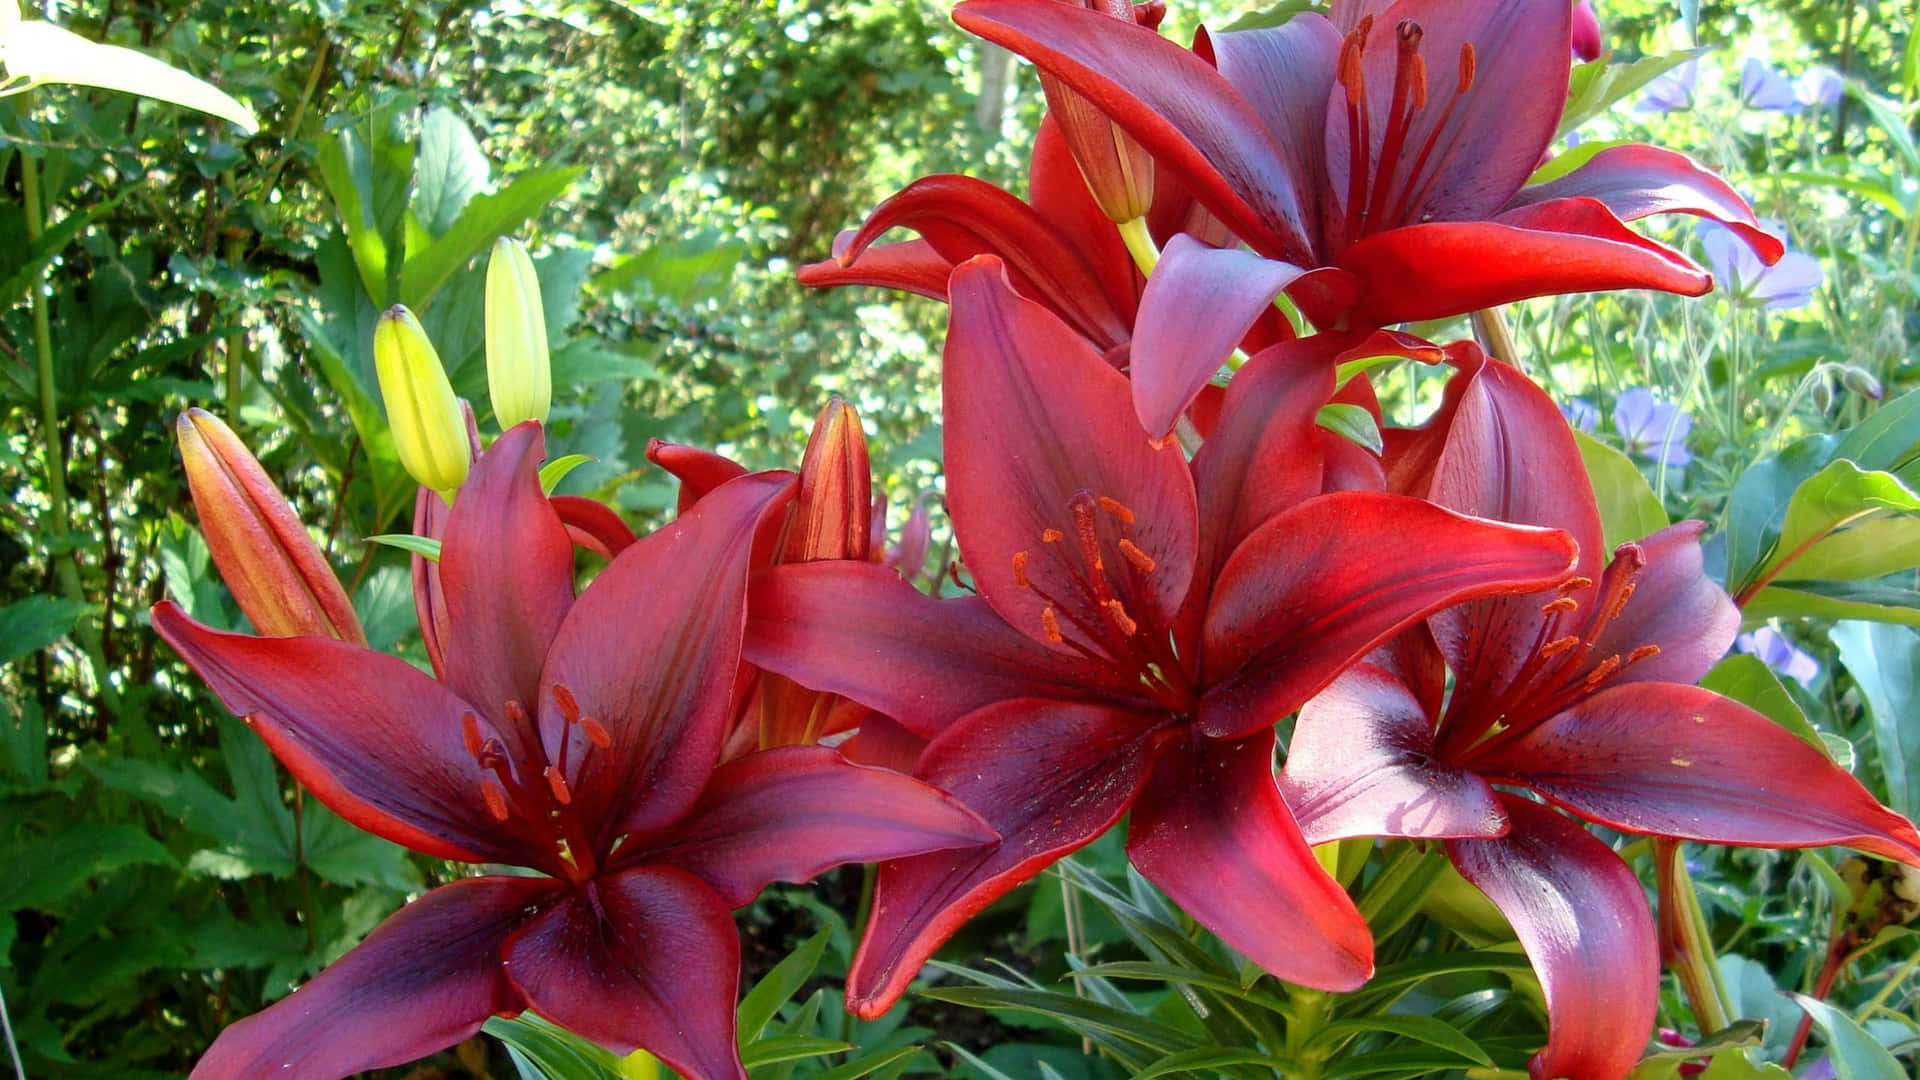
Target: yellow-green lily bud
[640, 1065]
[428, 430]
[519, 376]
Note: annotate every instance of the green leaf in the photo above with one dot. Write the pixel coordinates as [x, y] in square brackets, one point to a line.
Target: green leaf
[1749, 681]
[1597, 85]
[1870, 548]
[1888, 440]
[1203, 1058]
[683, 271]
[1836, 496]
[1834, 600]
[346, 855]
[556, 470]
[1887, 114]
[1758, 505]
[1353, 423]
[1664, 1063]
[1629, 510]
[30, 271]
[36, 622]
[43, 53]
[866, 1064]
[1855, 1054]
[48, 868]
[449, 170]
[1881, 193]
[426, 547]
[779, 1048]
[482, 221]
[1426, 1029]
[1885, 663]
[558, 1054]
[1174, 973]
[778, 986]
[1076, 1013]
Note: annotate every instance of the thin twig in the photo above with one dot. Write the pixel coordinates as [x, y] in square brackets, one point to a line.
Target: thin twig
[13, 1048]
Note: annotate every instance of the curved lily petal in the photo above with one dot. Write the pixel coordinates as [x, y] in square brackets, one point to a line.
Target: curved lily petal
[910, 266]
[1562, 246]
[699, 471]
[1583, 919]
[1286, 73]
[1193, 121]
[1047, 472]
[1211, 830]
[651, 651]
[593, 525]
[1311, 591]
[1361, 763]
[425, 979]
[506, 569]
[1058, 193]
[1198, 304]
[1685, 762]
[1675, 606]
[1635, 180]
[429, 599]
[792, 813]
[649, 960]
[1048, 777]
[373, 738]
[857, 630]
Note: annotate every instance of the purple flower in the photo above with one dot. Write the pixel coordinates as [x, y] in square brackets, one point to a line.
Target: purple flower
[1580, 414]
[1652, 428]
[1761, 87]
[1672, 92]
[1819, 88]
[1788, 283]
[1775, 651]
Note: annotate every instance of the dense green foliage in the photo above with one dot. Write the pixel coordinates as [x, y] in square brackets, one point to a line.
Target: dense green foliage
[670, 165]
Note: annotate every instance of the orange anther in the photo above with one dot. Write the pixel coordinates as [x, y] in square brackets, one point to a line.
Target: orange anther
[1020, 569]
[1467, 66]
[569, 705]
[1607, 667]
[1051, 624]
[558, 785]
[1558, 645]
[1121, 619]
[470, 733]
[1051, 536]
[1137, 557]
[1564, 603]
[1642, 653]
[596, 732]
[495, 795]
[1576, 584]
[1626, 594]
[1417, 84]
[516, 715]
[1117, 509]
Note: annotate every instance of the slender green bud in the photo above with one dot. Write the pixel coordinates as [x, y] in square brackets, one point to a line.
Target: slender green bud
[428, 429]
[519, 375]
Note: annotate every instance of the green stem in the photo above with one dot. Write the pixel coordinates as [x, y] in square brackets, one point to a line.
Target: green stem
[1307, 1012]
[1687, 941]
[1139, 244]
[236, 343]
[1491, 328]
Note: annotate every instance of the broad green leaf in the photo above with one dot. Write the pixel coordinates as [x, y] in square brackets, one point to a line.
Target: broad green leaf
[1597, 85]
[1758, 504]
[1629, 510]
[558, 1054]
[449, 170]
[1855, 1054]
[29, 272]
[347, 855]
[1352, 423]
[1747, 680]
[1885, 663]
[1664, 1063]
[1426, 1029]
[50, 867]
[683, 271]
[1836, 496]
[781, 1048]
[1834, 600]
[1736, 1065]
[36, 622]
[43, 53]
[1881, 193]
[1572, 158]
[1174, 973]
[1200, 1060]
[1075, 1012]
[482, 221]
[556, 470]
[1889, 440]
[1870, 548]
[426, 547]
[1887, 114]
[778, 986]
[866, 1064]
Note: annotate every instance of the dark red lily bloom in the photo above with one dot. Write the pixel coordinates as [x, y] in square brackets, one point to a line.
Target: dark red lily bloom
[1387, 147]
[575, 737]
[1581, 697]
[1141, 623]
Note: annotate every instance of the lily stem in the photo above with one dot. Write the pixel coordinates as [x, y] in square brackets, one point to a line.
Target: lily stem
[1688, 942]
[1140, 244]
[1490, 327]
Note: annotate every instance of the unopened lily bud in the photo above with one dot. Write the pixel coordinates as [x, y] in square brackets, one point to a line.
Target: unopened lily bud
[429, 431]
[519, 373]
[831, 518]
[263, 553]
[1861, 381]
[1118, 170]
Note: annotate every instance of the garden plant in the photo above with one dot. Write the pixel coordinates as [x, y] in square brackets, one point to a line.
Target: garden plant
[1349, 539]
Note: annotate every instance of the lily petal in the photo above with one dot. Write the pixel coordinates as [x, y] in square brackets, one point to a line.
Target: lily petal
[373, 738]
[1685, 762]
[1196, 124]
[1361, 763]
[429, 599]
[1049, 777]
[1312, 590]
[593, 525]
[1637, 180]
[792, 813]
[858, 630]
[651, 651]
[1675, 606]
[1037, 428]
[1582, 917]
[425, 979]
[699, 471]
[1058, 193]
[1198, 304]
[1561, 246]
[1212, 831]
[643, 959]
[910, 266]
[506, 569]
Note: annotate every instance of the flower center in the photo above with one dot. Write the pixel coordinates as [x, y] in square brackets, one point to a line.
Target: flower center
[1085, 574]
[1380, 194]
[547, 803]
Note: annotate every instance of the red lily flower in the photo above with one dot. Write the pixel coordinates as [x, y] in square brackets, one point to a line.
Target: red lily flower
[577, 738]
[1455, 105]
[1583, 699]
[1140, 624]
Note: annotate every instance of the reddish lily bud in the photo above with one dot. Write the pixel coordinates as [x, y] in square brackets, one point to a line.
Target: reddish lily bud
[263, 553]
[832, 515]
[1118, 170]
